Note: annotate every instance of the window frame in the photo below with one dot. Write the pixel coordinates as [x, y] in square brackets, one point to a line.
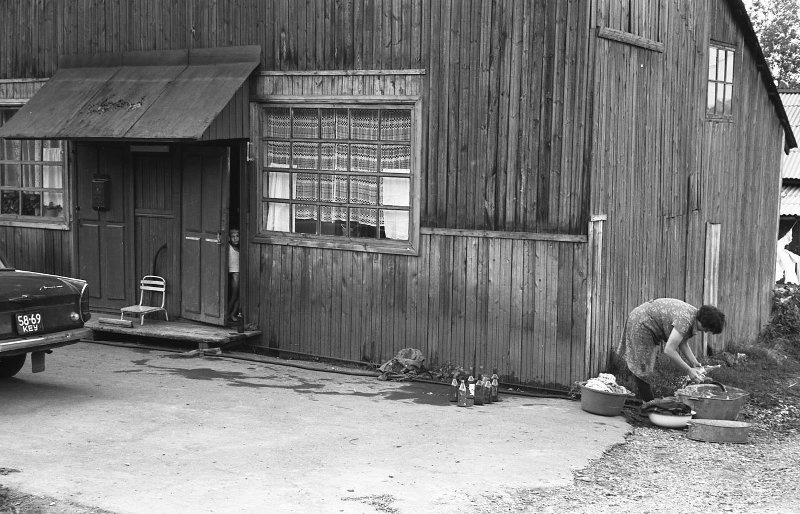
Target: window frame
[404, 247]
[42, 222]
[713, 115]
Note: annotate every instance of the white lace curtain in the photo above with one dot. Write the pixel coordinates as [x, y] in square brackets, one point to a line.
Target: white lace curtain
[376, 128]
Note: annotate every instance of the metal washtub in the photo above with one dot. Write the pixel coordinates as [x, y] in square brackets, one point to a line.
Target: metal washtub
[710, 401]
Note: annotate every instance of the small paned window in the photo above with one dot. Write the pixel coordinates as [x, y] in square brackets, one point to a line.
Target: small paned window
[339, 173]
[720, 82]
[33, 181]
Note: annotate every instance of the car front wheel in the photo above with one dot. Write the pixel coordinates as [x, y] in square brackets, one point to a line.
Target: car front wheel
[10, 366]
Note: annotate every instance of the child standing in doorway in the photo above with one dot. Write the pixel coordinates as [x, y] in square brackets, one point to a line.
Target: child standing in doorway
[233, 275]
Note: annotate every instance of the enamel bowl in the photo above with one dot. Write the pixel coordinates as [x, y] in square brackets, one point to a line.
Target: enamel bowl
[670, 420]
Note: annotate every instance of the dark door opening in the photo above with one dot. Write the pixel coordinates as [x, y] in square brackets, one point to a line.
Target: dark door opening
[234, 242]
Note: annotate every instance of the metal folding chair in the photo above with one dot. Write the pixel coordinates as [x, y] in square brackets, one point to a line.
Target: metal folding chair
[156, 285]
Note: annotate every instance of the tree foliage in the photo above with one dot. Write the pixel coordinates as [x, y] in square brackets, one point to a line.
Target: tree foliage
[777, 24]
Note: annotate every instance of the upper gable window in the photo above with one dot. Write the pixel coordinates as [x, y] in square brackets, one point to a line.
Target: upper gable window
[720, 81]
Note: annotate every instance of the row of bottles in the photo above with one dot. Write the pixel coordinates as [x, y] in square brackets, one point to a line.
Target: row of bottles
[474, 392]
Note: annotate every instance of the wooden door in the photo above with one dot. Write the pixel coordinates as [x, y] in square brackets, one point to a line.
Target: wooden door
[103, 234]
[204, 237]
[156, 200]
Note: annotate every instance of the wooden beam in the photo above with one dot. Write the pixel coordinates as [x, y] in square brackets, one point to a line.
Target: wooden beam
[630, 39]
[494, 234]
[268, 73]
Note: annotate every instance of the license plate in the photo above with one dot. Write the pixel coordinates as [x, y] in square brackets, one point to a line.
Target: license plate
[29, 323]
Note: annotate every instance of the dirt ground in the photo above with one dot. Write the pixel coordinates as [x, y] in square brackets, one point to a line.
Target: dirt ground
[653, 470]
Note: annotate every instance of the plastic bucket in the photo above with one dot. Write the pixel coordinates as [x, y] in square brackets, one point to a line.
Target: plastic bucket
[602, 402]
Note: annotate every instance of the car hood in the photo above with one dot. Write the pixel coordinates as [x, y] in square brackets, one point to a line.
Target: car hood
[22, 285]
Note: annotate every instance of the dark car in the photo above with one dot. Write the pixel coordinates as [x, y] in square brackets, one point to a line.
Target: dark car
[38, 312]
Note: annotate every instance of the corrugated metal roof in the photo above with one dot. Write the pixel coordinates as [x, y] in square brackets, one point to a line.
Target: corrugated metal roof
[167, 95]
[790, 166]
[793, 113]
[790, 98]
[790, 201]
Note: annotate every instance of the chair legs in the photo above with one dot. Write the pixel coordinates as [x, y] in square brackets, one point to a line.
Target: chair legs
[143, 314]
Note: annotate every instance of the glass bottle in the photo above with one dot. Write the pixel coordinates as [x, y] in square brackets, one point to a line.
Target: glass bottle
[462, 395]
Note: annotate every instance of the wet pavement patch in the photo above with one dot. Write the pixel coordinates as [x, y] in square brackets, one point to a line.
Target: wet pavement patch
[414, 392]
[205, 373]
[419, 393]
[303, 387]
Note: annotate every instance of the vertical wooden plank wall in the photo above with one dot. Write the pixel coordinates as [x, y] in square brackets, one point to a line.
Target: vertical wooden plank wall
[661, 172]
[514, 305]
[522, 105]
[743, 166]
[495, 300]
[627, 181]
[505, 86]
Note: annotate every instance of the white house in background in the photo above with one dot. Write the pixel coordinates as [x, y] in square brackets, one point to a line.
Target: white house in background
[790, 175]
[787, 264]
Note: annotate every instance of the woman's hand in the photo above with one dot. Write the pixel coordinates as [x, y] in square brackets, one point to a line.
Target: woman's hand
[697, 375]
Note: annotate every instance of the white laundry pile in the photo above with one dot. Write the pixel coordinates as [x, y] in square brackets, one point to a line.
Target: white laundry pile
[606, 382]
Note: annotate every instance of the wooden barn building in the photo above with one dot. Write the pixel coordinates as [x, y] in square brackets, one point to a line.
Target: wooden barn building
[494, 182]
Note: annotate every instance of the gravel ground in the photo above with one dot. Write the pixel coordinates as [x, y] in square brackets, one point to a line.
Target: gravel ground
[661, 470]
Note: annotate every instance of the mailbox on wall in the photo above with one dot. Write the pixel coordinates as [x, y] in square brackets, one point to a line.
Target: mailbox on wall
[101, 194]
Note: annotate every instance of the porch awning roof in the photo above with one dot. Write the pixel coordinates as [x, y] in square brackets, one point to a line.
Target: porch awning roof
[165, 95]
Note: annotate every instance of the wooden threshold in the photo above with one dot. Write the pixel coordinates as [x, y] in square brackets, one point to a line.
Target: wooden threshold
[182, 331]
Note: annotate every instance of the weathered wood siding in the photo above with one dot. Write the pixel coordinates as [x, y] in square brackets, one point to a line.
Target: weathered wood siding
[740, 189]
[492, 300]
[505, 87]
[662, 172]
[532, 121]
[45, 251]
[514, 305]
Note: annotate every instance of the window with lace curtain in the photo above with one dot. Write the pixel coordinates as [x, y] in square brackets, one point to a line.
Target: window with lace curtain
[338, 173]
[32, 180]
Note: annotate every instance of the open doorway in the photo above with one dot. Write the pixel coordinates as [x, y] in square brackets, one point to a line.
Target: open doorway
[234, 311]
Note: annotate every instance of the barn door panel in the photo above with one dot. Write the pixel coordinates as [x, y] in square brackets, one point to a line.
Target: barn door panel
[711, 280]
